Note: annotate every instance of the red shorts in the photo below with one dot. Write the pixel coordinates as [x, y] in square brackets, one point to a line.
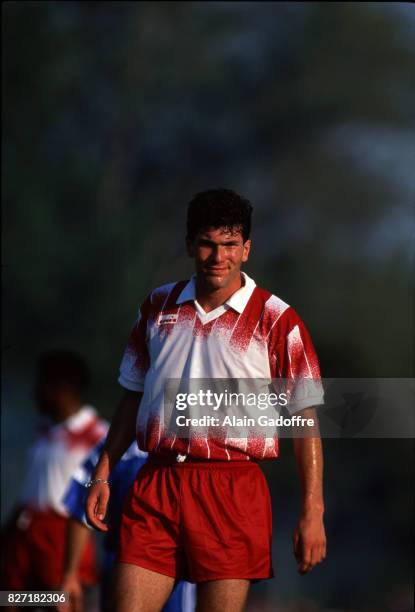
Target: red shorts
[199, 521]
[34, 553]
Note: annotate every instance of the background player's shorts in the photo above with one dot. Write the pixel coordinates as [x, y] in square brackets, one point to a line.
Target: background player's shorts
[34, 553]
[199, 521]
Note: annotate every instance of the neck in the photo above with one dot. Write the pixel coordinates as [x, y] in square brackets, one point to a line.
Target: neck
[67, 410]
[211, 297]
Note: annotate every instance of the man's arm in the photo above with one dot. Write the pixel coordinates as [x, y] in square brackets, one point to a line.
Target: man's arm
[120, 436]
[309, 538]
[77, 538]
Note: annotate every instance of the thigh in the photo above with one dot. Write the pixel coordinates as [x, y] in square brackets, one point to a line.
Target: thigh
[220, 595]
[227, 523]
[150, 523]
[140, 590]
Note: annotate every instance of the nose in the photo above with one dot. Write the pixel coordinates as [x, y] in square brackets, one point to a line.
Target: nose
[218, 253]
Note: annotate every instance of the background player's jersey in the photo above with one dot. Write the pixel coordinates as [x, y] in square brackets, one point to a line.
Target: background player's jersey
[253, 335]
[54, 457]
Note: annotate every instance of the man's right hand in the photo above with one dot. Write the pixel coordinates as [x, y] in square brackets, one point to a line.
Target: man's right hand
[120, 436]
[96, 505]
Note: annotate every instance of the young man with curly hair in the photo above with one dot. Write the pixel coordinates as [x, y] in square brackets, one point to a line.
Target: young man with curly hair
[200, 509]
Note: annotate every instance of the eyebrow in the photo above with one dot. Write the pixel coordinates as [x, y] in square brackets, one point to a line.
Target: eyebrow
[208, 242]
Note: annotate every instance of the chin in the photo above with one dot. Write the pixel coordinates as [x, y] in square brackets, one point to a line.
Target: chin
[216, 282]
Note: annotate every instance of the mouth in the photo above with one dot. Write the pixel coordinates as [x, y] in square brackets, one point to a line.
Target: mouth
[216, 270]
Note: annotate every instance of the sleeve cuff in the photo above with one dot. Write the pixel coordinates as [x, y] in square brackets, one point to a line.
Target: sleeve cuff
[131, 385]
[306, 402]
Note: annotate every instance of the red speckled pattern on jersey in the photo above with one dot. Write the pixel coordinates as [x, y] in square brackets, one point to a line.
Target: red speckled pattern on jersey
[264, 339]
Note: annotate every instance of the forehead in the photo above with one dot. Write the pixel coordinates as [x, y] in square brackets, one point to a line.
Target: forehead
[220, 234]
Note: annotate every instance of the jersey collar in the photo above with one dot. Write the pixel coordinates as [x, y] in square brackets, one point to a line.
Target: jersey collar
[237, 301]
[79, 420]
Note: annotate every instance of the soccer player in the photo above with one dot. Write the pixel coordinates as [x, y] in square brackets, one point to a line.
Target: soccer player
[200, 508]
[34, 548]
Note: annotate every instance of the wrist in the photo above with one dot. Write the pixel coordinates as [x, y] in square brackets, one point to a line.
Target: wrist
[96, 481]
[101, 473]
[313, 505]
[102, 469]
[70, 574]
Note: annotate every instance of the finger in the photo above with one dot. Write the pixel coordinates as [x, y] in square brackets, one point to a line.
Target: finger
[94, 510]
[320, 555]
[304, 568]
[72, 603]
[77, 604]
[63, 606]
[315, 556]
[296, 546]
[98, 496]
[98, 523]
[305, 558]
[101, 506]
[67, 607]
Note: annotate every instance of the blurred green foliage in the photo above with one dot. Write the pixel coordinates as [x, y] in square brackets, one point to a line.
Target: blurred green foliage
[115, 113]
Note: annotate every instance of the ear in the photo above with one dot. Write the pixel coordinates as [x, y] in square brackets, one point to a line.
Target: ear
[247, 248]
[190, 248]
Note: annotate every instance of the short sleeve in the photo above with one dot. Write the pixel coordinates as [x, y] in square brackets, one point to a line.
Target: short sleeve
[136, 361]
[294, 360]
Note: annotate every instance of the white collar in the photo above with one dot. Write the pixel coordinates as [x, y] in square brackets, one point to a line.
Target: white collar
[76, 422]
[237, 301]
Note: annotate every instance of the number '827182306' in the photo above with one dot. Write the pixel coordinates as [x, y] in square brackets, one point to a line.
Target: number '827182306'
[28, 598]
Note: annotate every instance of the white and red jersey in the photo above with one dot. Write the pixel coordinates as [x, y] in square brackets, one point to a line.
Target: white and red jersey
[253, 335]
[55, 456]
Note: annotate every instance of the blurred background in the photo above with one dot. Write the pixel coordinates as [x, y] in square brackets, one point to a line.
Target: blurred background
[114, 115]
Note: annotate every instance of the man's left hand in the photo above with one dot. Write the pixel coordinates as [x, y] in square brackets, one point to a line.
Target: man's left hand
[73, 587]
[309, 541]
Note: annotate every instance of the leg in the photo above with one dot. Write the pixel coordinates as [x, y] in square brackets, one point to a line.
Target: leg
[140, 590]
[222, 595]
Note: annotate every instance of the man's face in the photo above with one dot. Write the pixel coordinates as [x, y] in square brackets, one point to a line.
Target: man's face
[50, 396]
[46, 395]
[219, 254]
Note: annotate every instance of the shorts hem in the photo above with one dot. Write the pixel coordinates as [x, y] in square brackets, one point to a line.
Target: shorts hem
[254, 578]
[145, 565]
[195, 579]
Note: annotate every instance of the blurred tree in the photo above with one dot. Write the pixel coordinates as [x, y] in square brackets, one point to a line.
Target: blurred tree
[115, 114]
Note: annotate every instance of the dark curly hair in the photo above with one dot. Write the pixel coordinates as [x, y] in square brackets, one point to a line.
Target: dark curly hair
[218, 208]
[62, 366]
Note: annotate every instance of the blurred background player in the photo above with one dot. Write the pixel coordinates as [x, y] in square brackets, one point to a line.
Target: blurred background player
[182, 598]
[33, 546]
